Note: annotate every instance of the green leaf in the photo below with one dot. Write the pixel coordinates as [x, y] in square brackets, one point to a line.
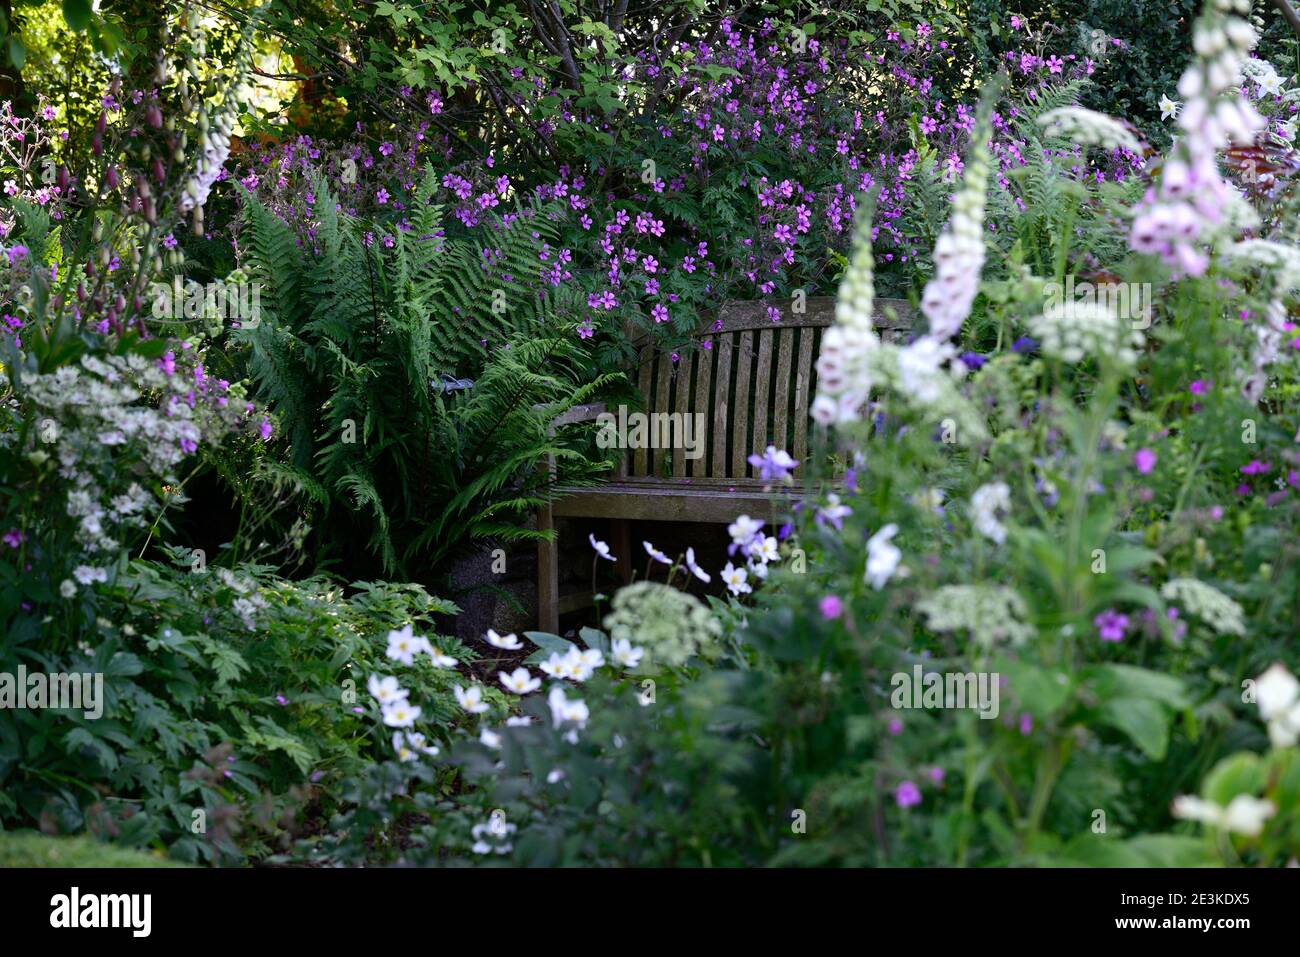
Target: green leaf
[1144, 721]
[1241, 773]
[17, 52]
[77, 13]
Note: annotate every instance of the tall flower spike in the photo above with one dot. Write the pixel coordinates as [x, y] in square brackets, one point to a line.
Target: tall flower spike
[959, 252]
[1186, 209]
[843, 377]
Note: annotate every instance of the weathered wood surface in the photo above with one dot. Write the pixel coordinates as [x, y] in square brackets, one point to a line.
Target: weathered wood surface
[753, 381]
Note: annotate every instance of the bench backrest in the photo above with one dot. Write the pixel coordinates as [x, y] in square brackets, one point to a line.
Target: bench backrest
[753, 379]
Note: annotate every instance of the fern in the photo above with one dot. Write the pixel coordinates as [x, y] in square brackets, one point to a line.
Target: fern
[353, 336]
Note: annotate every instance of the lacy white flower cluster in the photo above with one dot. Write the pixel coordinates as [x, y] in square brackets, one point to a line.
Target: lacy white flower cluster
[1072, 331]
[1089, 128]
[1207, 603]
[1279, 261]
[1193, 202]
[843, 379]
[113, 425]
[671, 625]
[991, 613]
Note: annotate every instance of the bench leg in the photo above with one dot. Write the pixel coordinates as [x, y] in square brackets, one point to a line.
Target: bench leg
[548, 576]
[620, 533]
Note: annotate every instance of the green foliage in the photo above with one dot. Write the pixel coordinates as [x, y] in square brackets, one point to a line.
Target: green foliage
[354, 349]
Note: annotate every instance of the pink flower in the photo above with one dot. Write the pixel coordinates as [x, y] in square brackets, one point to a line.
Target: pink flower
[895, 726]
[1026, 724]
[831, 607]
[1144, 460]
[1111, 625]
[907, 795]
[1255, 467]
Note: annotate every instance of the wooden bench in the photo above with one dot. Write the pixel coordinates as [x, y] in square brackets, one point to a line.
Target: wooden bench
[754, 380]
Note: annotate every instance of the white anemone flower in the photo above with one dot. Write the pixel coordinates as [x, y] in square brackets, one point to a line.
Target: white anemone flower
[386, 690]
[695, 569]
[882, 557]
[471, 700]
[400, 714]
[625, 653]
[402, 645]
[656, 554]
[506, 642]
[602, 549]
[736, 580]
[520, 681]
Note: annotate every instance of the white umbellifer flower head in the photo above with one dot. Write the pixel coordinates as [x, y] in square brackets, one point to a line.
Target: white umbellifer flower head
[400, 714]
[1089, 128]
[882, 557]
[625, 654]
[987, 505]
[1206, 602]
[506, 642]
[736, 579]
[1243, 815]
[991, 613]
[471, 700]
[386, 690]
[520, 681]
[1073, 331]
[68, 588]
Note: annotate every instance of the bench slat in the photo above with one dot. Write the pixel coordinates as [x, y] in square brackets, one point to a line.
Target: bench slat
[802, 382]
[703, 404]
[682, 384]
[664, 382]
[740, 411]
[785, 343]
[721, 405]
[639, 464]
[762, 394]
